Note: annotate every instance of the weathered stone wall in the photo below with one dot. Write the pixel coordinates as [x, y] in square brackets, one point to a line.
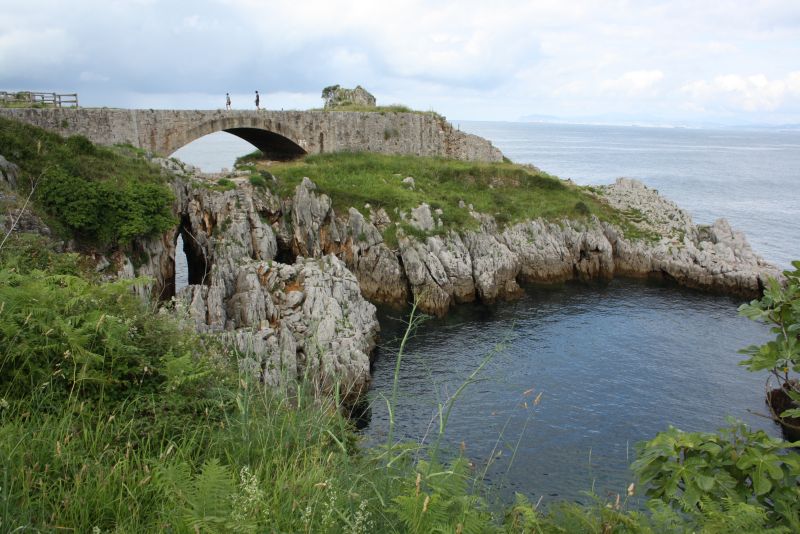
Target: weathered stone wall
[164, 131]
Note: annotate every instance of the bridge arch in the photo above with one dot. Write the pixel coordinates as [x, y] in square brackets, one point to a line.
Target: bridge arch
[283, 134]
[273, 145]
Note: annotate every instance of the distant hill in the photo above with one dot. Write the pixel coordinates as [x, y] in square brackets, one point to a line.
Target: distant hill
[624, 120]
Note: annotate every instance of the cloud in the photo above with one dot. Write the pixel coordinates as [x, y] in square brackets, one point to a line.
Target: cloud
[469, 59]
[33, 52]
[632, 83]
[745, 93]
[87, 76]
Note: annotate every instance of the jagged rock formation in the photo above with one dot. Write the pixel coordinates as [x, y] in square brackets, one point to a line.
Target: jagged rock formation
[8, 172]
[12, 216]
[336, 95]
[286, 282]
[486, 264]
[305, 318]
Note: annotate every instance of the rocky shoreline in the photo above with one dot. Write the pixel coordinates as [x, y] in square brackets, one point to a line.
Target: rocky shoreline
[291, 283]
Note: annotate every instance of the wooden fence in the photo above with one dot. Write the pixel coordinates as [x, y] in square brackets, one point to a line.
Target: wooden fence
[38, 100]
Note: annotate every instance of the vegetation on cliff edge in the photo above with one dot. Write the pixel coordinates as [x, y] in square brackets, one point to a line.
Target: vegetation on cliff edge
[96, 195]
[509, 192]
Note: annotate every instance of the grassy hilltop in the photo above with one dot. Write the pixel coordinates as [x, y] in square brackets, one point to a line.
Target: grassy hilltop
[508, 191]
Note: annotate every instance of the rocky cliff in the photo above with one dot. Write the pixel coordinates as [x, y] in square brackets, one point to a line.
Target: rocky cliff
[289, 283]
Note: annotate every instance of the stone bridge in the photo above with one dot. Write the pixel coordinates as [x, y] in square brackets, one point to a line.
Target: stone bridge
[280, 135]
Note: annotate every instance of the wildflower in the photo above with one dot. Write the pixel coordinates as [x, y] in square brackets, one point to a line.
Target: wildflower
[362, 522]
[249, 499]
[3, 404]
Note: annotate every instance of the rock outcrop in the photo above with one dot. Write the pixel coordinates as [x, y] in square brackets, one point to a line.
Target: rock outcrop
[303, 316]
[336, 95]
[289, 284]
[306, 319]
[489, 264]
[8, 172]
[12, 215]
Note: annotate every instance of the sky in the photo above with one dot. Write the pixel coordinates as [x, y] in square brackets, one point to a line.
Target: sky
[681, 62]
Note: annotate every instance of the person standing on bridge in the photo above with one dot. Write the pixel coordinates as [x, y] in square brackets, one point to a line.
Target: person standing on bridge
[228, 101]
[258, 101]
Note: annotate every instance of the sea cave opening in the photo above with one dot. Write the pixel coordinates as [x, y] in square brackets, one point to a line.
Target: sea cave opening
[191, 262]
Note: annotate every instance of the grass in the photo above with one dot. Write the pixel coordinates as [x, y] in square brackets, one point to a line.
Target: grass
[19, 104]
[392, 108]
[508, 191]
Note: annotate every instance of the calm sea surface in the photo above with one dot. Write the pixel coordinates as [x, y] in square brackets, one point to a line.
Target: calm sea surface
[614, 363]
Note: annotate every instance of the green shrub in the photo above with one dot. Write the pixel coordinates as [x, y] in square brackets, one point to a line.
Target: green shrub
[250, 158]
[779, 307]
[105, 212]
[257, 180]
[689, 470]
[581, 208]
[101, 196]
[78, 144]
[225, 184]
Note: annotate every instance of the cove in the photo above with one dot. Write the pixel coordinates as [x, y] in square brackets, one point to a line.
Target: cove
[615, 363]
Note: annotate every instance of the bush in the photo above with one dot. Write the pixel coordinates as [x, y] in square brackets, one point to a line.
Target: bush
[105, 212]
[688, 471]
[779, 307]
[101, 196]
[581, 208]
[225, 184]
[78, 144]
[257, 180]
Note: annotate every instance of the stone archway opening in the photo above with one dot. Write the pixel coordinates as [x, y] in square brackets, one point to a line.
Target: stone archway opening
[218, 151]
[273, 146]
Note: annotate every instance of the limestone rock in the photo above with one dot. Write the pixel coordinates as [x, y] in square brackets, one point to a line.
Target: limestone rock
[456, 261]
[494, 266]
[313, 221]
[290, 321]
[23, 221]
[379, 218]
[422, 219]
[429, 281]
[9, 172]
[647, 209]
[336, 96]
[306, 315]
